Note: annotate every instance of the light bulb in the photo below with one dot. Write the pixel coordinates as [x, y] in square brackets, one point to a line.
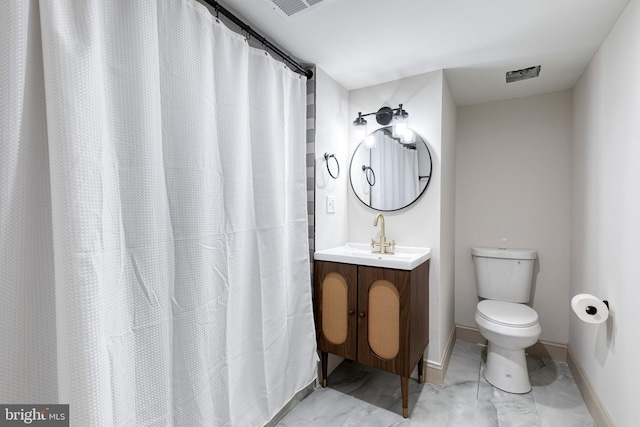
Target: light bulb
[400, 129]
[400, 122]
[361, 127]
[369, 141]
[360, 133]
[408, 137]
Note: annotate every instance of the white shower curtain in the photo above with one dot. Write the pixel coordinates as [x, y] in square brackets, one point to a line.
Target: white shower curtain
[153, 225]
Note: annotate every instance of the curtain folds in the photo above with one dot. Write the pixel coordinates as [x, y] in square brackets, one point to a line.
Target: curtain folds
[153, 219]
[396, 169]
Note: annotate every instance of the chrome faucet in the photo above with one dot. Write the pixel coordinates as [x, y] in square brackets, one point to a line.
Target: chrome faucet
[383, 244]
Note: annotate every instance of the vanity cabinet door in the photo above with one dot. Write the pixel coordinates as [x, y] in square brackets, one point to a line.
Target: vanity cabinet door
[384, 319]
[335, 300]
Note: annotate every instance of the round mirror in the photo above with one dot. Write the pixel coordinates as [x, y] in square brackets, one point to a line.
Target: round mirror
[389, 173]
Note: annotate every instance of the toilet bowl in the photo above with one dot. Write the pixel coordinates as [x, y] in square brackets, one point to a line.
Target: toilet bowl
[509, 328]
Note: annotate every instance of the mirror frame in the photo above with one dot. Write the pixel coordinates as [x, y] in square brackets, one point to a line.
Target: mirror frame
[419, 140]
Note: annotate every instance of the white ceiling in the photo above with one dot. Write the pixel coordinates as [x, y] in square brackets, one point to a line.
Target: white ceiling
[361, 43]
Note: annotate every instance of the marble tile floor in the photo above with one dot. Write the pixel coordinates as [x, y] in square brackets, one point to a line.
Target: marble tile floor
[360, 396]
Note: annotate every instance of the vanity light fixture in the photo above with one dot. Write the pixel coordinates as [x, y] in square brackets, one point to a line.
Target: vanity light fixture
[384, 116]
[400, 123]
[361, 127]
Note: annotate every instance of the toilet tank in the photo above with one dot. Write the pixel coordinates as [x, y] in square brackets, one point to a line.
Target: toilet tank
[504, 274]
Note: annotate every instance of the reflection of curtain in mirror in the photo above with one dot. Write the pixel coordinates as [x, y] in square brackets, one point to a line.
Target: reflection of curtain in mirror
[396, 168]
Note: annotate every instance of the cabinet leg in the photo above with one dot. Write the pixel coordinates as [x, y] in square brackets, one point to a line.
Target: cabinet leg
[421, 369]
[324, 357]
[404, 389]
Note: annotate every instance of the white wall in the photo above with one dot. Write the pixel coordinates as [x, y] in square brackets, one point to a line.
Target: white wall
[447, 214]
[513, 190]
[332, 113]
[332, 136]
[420, 223]
[605, 250]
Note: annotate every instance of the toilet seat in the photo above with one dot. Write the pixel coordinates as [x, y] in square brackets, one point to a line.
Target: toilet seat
[508, 314]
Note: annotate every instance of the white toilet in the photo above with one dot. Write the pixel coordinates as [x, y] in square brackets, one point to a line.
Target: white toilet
[503, 282]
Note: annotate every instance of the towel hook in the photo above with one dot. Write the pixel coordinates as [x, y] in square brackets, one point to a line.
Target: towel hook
[327, 156]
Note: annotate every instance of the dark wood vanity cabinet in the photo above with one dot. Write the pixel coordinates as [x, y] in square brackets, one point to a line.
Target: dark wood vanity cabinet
[375, 316]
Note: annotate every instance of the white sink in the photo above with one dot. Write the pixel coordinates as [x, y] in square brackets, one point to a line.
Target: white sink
[404, 258]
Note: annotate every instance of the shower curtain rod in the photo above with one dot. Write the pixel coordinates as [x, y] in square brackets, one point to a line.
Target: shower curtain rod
[296, 66]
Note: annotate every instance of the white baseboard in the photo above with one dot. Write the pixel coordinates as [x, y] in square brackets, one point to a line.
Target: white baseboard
[469, 334]
[549, 350]
[435, 373]
[595, 407]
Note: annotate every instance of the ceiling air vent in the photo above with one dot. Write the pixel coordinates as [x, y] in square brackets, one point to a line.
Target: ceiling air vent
[288, 8]
[527, 73]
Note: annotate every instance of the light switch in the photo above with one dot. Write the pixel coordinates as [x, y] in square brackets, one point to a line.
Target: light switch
[331, 204]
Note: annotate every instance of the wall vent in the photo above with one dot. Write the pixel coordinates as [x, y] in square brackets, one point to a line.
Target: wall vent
[527, 73]
[289, 8]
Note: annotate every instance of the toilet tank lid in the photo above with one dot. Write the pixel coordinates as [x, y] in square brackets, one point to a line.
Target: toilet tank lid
[504, 253]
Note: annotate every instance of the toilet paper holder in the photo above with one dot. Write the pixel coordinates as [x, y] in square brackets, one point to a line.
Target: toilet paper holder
[591, 310]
